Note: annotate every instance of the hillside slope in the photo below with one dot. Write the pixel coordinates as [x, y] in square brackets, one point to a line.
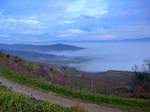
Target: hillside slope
[53, 79]
[112, 82]
[106, 82]
[55, 99]
[16, 102]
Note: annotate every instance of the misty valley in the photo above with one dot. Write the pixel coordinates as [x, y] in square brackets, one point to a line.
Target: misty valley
[74, 55]
[88, 57]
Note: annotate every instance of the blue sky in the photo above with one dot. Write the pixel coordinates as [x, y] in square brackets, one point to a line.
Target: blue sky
[49, 20]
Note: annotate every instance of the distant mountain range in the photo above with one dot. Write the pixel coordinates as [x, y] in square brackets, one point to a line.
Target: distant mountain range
[47, 48]
[41, 53]
[138, 39]
[42, 57]
[146, 39]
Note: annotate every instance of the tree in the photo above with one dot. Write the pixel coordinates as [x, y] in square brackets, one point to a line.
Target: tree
[141, 85]
[143, 72]
[147, 63]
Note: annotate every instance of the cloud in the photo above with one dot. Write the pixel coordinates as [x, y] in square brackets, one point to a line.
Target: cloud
[20, 21]
[24, 25]
[67, 22]
[0, 14]
[71, 32]
[3, 35]
[96, 8]
[88, 19]
[64, 35]
[74, 31]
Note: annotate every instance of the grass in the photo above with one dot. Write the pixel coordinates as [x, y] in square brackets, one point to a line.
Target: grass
[2, 54]
[15, 102]
[131, 105]
[32, 65]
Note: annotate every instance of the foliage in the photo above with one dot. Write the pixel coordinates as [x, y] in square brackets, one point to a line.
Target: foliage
[15, 102]
[126, 103]
[142, 78]
[143, 72]
[32, 65]
[2, 54]
[17, 59]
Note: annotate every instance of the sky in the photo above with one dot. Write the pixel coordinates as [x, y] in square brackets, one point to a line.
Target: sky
[51, 20]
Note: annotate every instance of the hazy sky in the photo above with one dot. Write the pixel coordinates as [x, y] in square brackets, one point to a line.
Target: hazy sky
[46, 20]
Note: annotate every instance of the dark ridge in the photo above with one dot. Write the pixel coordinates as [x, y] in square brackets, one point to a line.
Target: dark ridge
[54, 47]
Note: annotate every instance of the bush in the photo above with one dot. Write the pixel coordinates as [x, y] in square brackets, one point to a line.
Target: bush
[143, 72]
[87, 96]
[141, 83]
[15, 102]
[17, 59]
[2, 54]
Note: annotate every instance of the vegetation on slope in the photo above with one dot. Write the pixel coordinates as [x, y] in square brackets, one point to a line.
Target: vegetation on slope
[15, 102]
[142, 79]
[111, 83]
[132, 105]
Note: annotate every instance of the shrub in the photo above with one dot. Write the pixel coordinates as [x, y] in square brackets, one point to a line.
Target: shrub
[65, 91]
[2, 54]
[142, 72]
[17, 59]
[15, 102]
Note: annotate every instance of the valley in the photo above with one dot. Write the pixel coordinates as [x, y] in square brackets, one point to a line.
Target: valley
[97, 88]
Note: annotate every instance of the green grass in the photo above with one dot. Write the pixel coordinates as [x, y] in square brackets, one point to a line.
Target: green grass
[132, 105]
[2, 54]
[15, 102]
[32, 65]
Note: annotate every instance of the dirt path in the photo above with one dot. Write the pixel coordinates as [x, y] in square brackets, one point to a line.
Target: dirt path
[55, 99]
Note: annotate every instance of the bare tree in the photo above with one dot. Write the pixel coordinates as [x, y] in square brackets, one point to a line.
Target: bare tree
[142, 79]
[147, 63]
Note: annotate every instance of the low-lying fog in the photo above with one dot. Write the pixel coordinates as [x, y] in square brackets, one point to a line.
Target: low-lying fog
[109, 56]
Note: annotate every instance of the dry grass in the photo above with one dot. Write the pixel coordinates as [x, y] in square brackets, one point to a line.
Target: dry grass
[78, 108]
